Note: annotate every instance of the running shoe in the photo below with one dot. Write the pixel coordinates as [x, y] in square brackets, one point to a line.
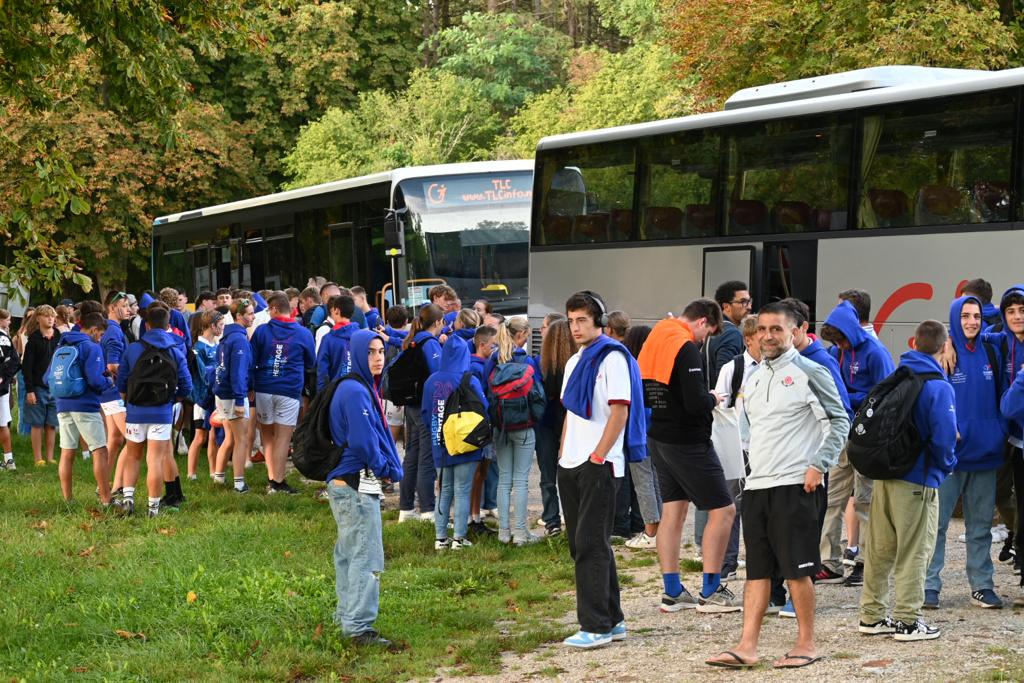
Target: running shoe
[722, 600]
[619, 631]
[585, 640]
[885, 626]
[916, 631]
[826, 575]
[680, 602]
[642, 542]
[986, 598]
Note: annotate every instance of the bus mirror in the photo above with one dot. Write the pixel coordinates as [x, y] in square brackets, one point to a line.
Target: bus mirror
[393, 229]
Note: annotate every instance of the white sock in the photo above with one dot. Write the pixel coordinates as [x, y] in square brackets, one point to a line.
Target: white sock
[475, 518]
[8, 457]
[129, 492]
[154, 503]
[218, 477]
[239, 483]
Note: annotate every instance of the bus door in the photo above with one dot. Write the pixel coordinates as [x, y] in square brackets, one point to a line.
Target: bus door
[722, 264]
[790, 269]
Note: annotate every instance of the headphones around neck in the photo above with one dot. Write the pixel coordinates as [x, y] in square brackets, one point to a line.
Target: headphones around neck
[602, 321]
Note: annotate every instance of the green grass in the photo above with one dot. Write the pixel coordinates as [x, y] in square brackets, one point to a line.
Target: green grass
[90, 596]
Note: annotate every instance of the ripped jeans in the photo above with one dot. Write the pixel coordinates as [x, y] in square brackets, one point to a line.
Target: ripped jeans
[358, 557]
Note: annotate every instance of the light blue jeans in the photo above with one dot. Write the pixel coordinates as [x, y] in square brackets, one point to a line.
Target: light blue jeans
[457, 483]
[514, 455]
[358, 558]
[979, 493]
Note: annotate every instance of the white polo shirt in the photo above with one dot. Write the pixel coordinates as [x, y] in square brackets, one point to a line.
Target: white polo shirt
[582, 436]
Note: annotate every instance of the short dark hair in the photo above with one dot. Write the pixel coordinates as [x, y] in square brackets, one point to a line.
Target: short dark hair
[158, 316]
[930, 336]
[587, 301]
[832, 334]
[1014, 298]
[801, 313]
[279, 302]
[358, 289]
[93, 320]
[727, 290]
[345, 305]
[980, 288]
[397, 315]
[205, 295]
[223, 290]
[618, 322]
[182, 290]
[861, 302]
[704, 308]
[484, 333]
[88, 307]
[779, 308]
[310, 293]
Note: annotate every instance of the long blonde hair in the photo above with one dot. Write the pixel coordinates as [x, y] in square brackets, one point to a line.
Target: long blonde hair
[506, 337]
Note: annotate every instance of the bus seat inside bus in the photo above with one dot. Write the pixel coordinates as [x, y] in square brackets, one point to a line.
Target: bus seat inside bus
[664, 222]
[621, 224]
[593, 227]
[701, 220]
[991, 201]
[790, 216]
[558, 228]
[890, 206]
[938, 205]
[747, 217]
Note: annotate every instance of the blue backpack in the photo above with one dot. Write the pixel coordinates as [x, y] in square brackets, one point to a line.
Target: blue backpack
[201, 386]
[66, 377]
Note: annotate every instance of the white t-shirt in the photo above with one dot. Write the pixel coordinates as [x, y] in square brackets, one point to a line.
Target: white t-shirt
[325, 327]
[582, 436]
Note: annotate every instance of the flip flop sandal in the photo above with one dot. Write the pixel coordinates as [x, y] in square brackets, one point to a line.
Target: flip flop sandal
[739, 662]
[805, 661]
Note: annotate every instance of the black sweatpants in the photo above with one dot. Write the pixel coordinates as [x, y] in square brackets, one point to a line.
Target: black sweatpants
[1017, 459]
[588, 501]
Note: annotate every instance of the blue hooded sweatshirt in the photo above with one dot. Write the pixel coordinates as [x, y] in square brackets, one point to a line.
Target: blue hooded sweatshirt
[439, 386]
[578, 396]
[431, 349]
[1012, 404]
[233, 377]
[977, 387]
[332, 360]
[935, 418]
[477, 366]
[395, 337]
[90, 355]
[162, 339]
[990, 315]
[177, 319]
[372, 318]
[866, 363]
[113, 344]
[466, 334]
[282, 351]
[357, 420]
[816, 352]
[1012, 353]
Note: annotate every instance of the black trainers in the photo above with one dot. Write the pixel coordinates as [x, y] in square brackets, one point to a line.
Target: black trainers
[285, 487]
[856, 576]
[986, 598]
[826, 575]
[915, 631]
[371, 639]
[884, 626]
[850, 556]
[1008, 555]
[480, 529]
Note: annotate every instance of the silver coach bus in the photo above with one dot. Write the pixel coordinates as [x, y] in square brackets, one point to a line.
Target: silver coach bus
[466, 225]
[903, 181]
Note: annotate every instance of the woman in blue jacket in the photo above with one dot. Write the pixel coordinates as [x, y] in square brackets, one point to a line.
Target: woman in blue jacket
[354, 487]
[232, 384]
[456, 471]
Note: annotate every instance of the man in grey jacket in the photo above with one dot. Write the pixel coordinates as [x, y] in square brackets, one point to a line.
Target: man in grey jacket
[797, 426]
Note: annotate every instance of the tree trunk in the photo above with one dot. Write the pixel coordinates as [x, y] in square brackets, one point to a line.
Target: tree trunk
[492, 6]
[570, 20]
[1006, 11]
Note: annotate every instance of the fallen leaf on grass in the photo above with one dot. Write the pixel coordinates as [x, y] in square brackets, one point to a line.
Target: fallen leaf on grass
[318, 631]
[87, 551]
[128, 635]
[80, 669]
[877, 664]
[167, 531]
[512, 606]
[41, 525]
[191, 597]
[287, 554]
[513, 584]
[96, 514]
[86, 527]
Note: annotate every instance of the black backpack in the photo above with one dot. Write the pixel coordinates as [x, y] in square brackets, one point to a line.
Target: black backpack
[314, 452]
[154, 378]
[129, 331]
[403, 379]
[737, 379]
[884, 443]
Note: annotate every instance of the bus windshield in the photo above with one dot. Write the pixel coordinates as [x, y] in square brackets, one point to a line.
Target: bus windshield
[471, 231]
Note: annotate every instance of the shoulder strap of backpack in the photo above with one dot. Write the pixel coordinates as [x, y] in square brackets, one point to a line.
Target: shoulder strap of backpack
[737, 379]
[993, 362]
[928, 376]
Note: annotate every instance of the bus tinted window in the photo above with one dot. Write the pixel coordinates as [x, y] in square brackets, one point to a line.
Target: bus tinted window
[940, 162]
[588, 194]
[788, 176]
[678, 186]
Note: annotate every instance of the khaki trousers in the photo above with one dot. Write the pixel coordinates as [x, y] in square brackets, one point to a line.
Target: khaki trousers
[843, 482]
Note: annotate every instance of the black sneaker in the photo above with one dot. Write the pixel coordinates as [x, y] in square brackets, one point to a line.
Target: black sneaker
[986, 598]
[371, 639]
[554, 530]
[850, 557]
[915, 631]
[882, 627]
[826, 575]
[480, 529]
[284, 487]
[856, 576]
[1008, 555]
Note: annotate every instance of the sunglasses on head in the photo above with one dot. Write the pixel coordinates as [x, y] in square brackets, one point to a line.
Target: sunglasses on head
[118, 297]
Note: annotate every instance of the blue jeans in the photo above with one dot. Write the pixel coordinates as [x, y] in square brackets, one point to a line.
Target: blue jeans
[490, 501]
[514, 454]
[358, 558]
[547, 461]
[979, 493]
[457, 483]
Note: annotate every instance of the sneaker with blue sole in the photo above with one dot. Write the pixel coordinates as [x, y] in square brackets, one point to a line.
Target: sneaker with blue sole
[619, 631]
[788, 611]
[586, 640]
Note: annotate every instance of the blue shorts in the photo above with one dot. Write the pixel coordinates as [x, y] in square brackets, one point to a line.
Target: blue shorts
[44, 412]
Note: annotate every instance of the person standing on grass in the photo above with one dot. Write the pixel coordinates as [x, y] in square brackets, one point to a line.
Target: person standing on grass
[79, 379]
[796, 425]
[40, 406]
[483, 342]
[210, 327]
[232, 390]
[354, 489]
[556, 348]
[10, 363]
[112, 407]
[605, 420]
[332, 355]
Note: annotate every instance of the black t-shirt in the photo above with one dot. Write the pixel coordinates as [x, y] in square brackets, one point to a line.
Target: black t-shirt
[681, 411]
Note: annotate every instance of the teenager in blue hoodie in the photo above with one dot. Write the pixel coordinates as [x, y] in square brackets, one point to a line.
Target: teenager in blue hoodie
[232, 386]
[332, 358]
[282, 354]
[149, 427]
[419, 459]
[354, 489]
[112, 406]
[981, 442]
[79, 418]
[465, 325]
[905, 512]
[455, 471]
[863, 362]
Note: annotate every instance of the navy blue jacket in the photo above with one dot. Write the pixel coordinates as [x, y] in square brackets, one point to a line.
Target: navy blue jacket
[439, 386]
[1012, 351]
[113, 344]
[282, 351]
[233, 377]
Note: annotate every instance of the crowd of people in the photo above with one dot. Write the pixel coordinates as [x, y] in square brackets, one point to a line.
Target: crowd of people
[748, 417]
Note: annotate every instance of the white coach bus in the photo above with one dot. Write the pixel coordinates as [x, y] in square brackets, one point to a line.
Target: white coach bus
[902, 181]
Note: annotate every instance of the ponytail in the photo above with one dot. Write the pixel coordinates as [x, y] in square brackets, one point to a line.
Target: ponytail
[424, 320]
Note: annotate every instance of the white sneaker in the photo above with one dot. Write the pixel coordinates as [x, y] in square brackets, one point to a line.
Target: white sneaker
[642, 542]
[460, 543]
[492, 512]
[541, 523]
[741, 564]
[10, 465]
[999, 535]
[427, 516]
[407, 515]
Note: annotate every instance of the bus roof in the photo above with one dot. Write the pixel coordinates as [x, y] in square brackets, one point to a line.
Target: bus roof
[394, 176]
[837, 92]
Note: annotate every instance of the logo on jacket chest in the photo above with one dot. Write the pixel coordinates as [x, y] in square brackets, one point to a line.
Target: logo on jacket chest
[854, 367]
[788, 381]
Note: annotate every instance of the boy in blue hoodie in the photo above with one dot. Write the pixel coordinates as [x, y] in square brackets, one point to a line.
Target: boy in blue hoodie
[79, 417]
[112, 406]
[455, 471]
[332, 358]
[904, 512]
[231, 389]
[981, 440]
[864, 362]
[149, 426]
[485, 480]
[282, 354]
[354, 489]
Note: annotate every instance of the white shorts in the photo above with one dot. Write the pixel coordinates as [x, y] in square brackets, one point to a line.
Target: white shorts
[113, 407]
[85, 426]
[137, 432]
[395, 414]
[226, 408]
[272, 409]
[5, 410]
[198, 413]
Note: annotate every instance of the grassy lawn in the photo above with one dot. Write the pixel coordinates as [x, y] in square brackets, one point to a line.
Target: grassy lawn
[242, 587]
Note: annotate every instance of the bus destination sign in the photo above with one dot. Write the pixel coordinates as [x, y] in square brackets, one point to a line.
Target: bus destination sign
[478, 191]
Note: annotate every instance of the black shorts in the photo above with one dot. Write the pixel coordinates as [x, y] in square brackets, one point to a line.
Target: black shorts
[690, 472]
[780, 531]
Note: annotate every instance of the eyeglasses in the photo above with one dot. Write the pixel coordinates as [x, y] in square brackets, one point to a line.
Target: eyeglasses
[742, 302]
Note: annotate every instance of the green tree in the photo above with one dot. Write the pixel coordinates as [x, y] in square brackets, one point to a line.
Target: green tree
[440, 118]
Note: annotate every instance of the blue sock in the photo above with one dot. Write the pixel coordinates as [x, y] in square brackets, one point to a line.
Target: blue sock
[673, 586]
[711, 584]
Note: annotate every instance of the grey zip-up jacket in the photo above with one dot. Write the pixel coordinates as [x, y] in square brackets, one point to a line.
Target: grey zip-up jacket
[793, 418]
